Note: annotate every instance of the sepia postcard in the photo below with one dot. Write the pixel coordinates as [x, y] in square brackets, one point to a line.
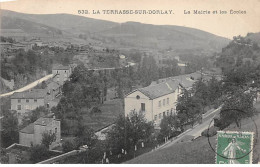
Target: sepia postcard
[130, 81]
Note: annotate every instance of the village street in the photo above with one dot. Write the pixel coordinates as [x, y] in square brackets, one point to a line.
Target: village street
[29, 86]
[197, 129]
[187, 135]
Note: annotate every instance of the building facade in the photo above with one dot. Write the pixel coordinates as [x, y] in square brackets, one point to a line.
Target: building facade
[32, 134]
[154, 101]
[160, 98]
[27, 101]
[61, 73]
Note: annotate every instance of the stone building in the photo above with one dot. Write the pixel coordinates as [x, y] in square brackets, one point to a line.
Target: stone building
[32, 134]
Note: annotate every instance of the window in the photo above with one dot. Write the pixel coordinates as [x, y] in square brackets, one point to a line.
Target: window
[167, 101]
[155, 117]
[159, 103]
[57, 72]
[35, 100]
[19, 100]
[160, 115]
[65, 71]
[19, 107]
[27, 100]
[168, 112]
[171, 111]
[163, 114]
[163, 102]
[56, 130]
[137, 97]
[142, 106]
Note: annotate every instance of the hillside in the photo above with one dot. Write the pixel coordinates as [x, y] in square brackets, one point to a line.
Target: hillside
[255, 37]
[126, 35]
[197, 151]
[163, 37]
[66, 22]
[27, 27]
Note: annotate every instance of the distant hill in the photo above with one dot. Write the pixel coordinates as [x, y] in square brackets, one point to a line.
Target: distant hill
[163, 37]
[126, 35]
[27, 27]
[66, 22]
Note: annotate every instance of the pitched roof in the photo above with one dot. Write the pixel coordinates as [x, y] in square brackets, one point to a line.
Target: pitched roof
[161, 89]
[60, 67]
[43, 121]
[28, 129]
[185, 81]
[33, 94]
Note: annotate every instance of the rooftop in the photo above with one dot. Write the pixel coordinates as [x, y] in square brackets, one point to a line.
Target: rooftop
[28, 129]
[43, 121]
[33, 94]
[185, 81]
[60, 67]
[161, 89]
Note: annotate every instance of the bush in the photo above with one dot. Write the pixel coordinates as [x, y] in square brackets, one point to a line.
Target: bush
[68, 146]
[210, 132]
[39, 153]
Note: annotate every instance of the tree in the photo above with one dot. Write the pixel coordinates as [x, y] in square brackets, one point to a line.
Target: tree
[169, 125]
[10, 133]
[200, 91]
[48, 138]
[214, 90]
[238, 106]
[128, 131]
[68, 146]
[3, 156]
[85, 136]
[39, 153]
[188, 108]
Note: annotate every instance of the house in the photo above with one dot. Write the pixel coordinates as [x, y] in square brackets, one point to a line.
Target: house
[29, 100]
[32, 134]
[160, 98]
[61, 73]
[154, 101]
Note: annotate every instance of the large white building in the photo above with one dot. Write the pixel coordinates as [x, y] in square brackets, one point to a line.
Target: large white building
[154, 101]
[160, 98]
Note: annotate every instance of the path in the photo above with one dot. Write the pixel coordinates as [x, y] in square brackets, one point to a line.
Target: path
[195, 131]
[29, 86]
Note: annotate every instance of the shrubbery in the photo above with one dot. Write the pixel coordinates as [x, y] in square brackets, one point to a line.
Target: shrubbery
[210, 132]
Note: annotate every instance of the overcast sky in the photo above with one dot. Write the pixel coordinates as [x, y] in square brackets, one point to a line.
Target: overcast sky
[226, 25]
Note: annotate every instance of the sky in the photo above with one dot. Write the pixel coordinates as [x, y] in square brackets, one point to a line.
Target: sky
[225, 25]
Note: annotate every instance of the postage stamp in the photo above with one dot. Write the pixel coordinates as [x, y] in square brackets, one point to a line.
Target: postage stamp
[234, 147]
